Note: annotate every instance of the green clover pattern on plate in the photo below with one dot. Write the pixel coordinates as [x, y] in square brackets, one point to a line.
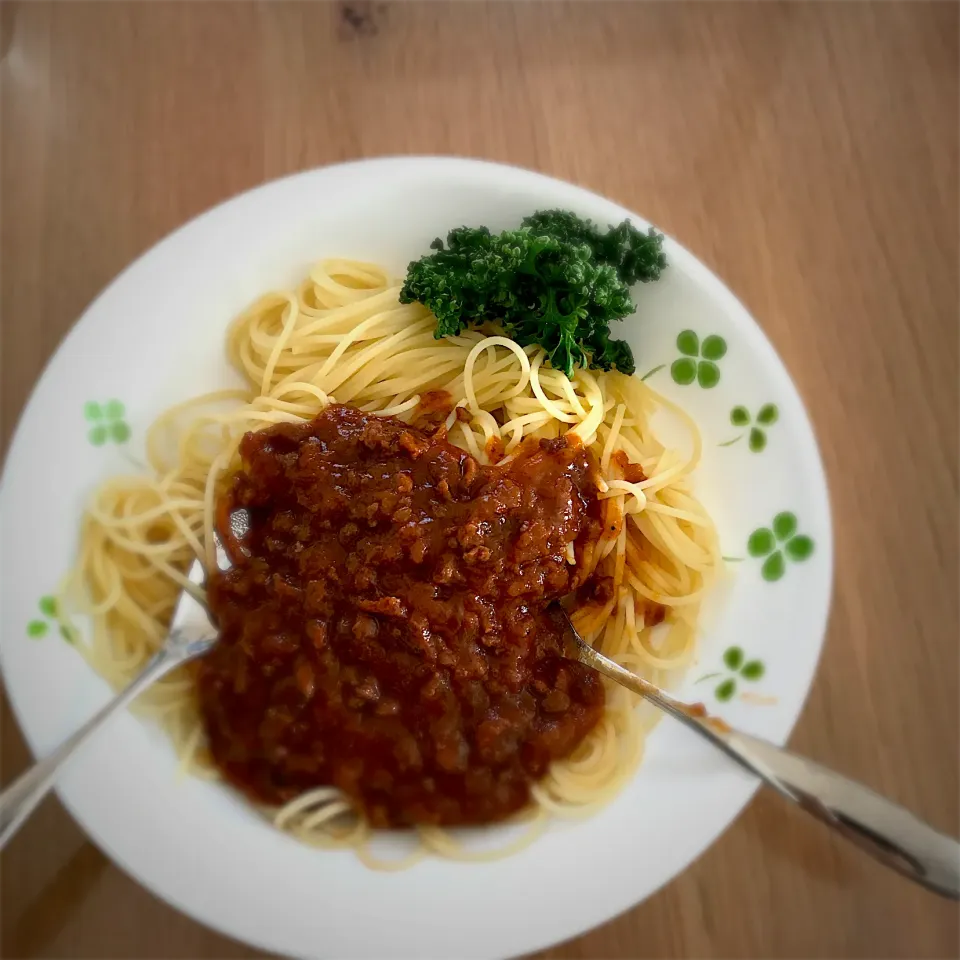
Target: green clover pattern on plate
[779, 543]
[106, 422]
[766, 417]
[739, 668]
[699, 361]
[40, 627]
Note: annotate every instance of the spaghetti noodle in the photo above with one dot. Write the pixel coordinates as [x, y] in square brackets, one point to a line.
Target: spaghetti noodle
[343, 336]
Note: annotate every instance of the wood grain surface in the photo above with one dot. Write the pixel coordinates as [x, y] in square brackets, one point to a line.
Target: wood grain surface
[807, 153]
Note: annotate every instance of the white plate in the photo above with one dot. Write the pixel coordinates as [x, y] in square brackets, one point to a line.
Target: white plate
[155, 336]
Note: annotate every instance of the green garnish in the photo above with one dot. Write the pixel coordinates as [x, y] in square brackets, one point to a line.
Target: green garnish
[558, 282]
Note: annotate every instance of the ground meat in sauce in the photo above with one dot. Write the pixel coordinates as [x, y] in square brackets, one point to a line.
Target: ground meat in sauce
[384, 628]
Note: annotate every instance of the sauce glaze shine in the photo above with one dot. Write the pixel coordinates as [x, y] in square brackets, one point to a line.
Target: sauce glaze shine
[384, 627]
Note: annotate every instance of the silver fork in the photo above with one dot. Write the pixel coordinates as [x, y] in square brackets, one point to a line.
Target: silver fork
[888, 832]
[191, 635]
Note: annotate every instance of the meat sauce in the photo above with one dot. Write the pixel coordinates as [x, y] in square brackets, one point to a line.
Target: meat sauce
[384, 628]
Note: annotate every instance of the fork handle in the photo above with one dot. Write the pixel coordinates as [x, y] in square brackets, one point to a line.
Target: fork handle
[20, 799]
[888, 832]
[885, 830]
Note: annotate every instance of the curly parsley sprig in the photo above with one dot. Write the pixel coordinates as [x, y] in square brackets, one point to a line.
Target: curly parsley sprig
[558, 281]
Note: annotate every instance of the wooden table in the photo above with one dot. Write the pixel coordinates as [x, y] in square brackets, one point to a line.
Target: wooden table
[807, 153]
